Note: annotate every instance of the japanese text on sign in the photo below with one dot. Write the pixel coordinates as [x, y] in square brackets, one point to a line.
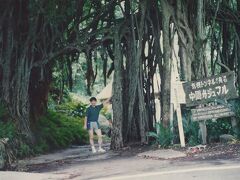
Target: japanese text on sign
[209, 89]
[211, 112]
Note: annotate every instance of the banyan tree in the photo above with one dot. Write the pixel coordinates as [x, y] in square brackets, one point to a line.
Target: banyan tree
[137, 37]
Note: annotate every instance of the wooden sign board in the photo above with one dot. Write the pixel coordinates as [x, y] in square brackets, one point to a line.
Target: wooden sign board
[180, 93]
[209, 89]
[211, 112]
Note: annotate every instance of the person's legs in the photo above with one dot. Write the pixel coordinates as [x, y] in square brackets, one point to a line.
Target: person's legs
[90, 132]
[99, 134]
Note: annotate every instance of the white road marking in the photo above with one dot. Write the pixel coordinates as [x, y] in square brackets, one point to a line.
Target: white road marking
[172, 172]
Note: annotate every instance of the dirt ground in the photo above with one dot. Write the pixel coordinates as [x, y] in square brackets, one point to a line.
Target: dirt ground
[211, 152]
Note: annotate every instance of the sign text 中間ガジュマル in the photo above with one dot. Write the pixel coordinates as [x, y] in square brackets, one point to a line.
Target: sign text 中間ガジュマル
[210, 89]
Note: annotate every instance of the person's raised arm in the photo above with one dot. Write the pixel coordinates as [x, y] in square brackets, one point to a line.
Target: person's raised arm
[106, 102]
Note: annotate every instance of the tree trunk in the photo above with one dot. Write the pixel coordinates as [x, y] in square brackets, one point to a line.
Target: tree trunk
[24, 87]
[185, 40]
[199, 42]
[16, 63]
[166, 75]
[118, 113]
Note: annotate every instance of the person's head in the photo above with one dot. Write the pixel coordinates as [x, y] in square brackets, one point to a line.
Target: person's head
[93, 101]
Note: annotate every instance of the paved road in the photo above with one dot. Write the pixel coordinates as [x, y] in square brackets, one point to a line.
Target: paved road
[134, 168]
[71, 164]
[205, 173]
[214, 172]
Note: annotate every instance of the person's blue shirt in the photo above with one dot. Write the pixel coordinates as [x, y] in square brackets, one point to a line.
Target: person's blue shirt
[92, 112]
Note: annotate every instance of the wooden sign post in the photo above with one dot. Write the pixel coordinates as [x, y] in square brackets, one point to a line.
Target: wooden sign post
[177, 98]
[203, 129]
[179, 119]
[210, 90]
[198, 94]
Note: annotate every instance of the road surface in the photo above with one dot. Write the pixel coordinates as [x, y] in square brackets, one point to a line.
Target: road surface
[76, 164]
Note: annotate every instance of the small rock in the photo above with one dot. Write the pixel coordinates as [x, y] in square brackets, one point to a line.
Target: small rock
[225, 138]
[162, 154]
[196, 149]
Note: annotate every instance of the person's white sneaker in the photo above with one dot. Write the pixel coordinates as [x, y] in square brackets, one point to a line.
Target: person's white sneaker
[93, 150]
[101, 150]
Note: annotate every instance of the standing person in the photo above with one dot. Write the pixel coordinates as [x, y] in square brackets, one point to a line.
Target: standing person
[91, 123]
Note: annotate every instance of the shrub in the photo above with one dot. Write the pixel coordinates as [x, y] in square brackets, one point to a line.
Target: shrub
[53, 131]
[16, 144]
[72, 108]
[8, 130]
[104, 111]
[56, 130]
[217, 128]
[191, 129]
[221, 125]
[24, 150]
[162, 136]
[79, 110]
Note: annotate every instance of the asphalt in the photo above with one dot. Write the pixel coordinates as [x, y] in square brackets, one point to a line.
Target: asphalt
[203, 173]
[79, 164]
